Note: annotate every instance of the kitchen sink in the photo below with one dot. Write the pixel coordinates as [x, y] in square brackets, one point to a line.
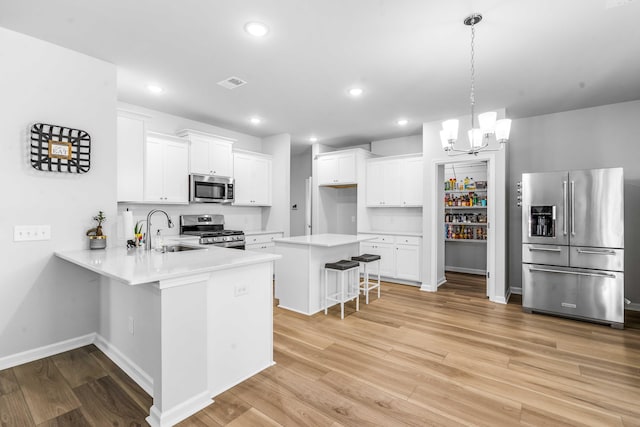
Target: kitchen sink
[179, 248]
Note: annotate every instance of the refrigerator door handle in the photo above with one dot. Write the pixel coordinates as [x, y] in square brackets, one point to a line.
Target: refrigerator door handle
[592, 252]
[577, 273]
[573, 208]
[566, 206]
[533, 248]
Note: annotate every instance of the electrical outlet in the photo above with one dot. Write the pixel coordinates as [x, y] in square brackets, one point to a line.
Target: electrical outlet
[23, 233]
[239, 290]
[131, 325]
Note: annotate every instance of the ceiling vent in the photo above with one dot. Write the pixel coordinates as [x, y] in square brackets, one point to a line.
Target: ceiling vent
[232, 82]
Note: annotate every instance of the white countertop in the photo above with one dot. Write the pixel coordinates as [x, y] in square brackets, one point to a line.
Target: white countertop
[325, 240]
[392, 233]
[256, 232]
[137, 266]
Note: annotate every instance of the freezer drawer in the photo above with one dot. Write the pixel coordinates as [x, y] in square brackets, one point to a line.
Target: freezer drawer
[579, 293]
[545, 254]
[597, 258]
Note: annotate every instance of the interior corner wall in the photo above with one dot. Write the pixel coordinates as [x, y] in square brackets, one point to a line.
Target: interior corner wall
[46, 300]
[300, 171]
[278, 216]
[599, 137]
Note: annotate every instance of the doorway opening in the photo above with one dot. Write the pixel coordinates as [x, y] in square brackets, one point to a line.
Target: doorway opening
[465, 226]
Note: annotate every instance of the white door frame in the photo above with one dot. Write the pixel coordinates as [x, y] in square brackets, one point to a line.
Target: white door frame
[433, 273]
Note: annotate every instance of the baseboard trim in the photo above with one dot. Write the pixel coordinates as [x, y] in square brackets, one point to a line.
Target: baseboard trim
[179, 412]
[465, 270]
[21, 358]
[136, 373]
[634, 306]
[516, 290]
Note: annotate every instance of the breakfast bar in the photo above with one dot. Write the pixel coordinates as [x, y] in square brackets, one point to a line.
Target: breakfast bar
[185, 325]
[299, 273]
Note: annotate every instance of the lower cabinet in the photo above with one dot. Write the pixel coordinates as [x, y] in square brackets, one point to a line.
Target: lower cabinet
[399, 255]
[261, 242]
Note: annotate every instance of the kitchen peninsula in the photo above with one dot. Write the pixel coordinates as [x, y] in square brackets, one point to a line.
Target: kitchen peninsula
[299, 273]
[185, 325]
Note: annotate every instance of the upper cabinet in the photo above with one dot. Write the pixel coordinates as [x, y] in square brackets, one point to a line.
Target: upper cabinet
[209, 154]
[394, 182]
[252, 179]
[166, 169]
[337, 168]
[130, 150]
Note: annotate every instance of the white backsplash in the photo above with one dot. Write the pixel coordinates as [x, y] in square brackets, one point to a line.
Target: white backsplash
[395, 219]
[236, 217]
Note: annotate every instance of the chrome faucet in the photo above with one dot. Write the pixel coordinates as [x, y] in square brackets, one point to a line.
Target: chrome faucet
[147, 238]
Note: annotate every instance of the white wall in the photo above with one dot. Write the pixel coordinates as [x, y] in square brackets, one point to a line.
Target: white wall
[44, 299]
[411, 144]
[168, 123]
[277, 217]
[605, 136]
[300, 171]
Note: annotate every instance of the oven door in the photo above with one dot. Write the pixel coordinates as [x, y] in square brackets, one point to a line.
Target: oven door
[210, 189]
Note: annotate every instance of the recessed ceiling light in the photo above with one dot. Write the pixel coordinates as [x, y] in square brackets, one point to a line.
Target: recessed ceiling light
[256, 29]
[256, 120]
[402, 122]
[154, 88]
[313, 139]
[356, 91]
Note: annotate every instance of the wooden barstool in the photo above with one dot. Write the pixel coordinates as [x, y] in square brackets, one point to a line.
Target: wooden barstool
[367, 285]
[349, 290]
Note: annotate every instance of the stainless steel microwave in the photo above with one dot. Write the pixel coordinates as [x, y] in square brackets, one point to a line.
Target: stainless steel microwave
[210, 189]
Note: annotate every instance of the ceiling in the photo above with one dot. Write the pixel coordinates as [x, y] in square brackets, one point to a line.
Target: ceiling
[411, 57]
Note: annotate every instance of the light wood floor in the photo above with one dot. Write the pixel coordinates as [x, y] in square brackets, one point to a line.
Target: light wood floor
[410, 358]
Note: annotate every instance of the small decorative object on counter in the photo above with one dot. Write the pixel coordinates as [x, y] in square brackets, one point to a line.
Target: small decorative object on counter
[138, 235]
[97, 240]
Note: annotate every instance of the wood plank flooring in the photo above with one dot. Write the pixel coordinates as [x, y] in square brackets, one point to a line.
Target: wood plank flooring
[409, 359]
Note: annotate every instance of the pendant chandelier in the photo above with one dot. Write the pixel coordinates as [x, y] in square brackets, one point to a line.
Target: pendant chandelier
[487, 122]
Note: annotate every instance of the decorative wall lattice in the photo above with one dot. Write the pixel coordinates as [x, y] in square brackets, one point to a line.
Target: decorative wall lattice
[60, 149]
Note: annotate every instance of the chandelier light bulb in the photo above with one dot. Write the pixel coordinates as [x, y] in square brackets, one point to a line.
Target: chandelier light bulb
[451, 129]
[503, 128]
[488, 122]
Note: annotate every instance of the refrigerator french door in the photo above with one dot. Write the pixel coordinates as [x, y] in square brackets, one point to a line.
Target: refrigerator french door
[573, 244]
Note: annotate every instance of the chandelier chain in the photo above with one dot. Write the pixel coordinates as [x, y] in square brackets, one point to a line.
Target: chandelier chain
[472, 97]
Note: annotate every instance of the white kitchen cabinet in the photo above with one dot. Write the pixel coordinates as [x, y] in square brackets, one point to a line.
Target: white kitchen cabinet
[394, 182]
[383, 187]
[399, 255]
[209, 154]
[407, 262]
[262, 242]
[411, 181]
[252, 179]
[130, 151]
[387, 256]
[337, 168]
[166, 169]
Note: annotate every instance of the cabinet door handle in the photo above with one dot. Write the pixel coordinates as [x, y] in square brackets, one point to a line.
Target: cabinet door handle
[566, 207]
[576, 273]
[573, 208]
[592, 252]
[532, 248]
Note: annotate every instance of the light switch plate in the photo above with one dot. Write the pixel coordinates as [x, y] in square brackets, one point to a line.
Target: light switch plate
[23, 233]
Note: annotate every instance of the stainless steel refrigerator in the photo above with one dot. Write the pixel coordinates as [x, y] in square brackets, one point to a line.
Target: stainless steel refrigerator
[573, 244]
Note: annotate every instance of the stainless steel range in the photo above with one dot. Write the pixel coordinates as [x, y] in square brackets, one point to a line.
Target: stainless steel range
[210, 229]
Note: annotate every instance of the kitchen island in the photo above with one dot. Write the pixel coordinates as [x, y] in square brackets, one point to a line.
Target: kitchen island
[185, 326]
[299, 273]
